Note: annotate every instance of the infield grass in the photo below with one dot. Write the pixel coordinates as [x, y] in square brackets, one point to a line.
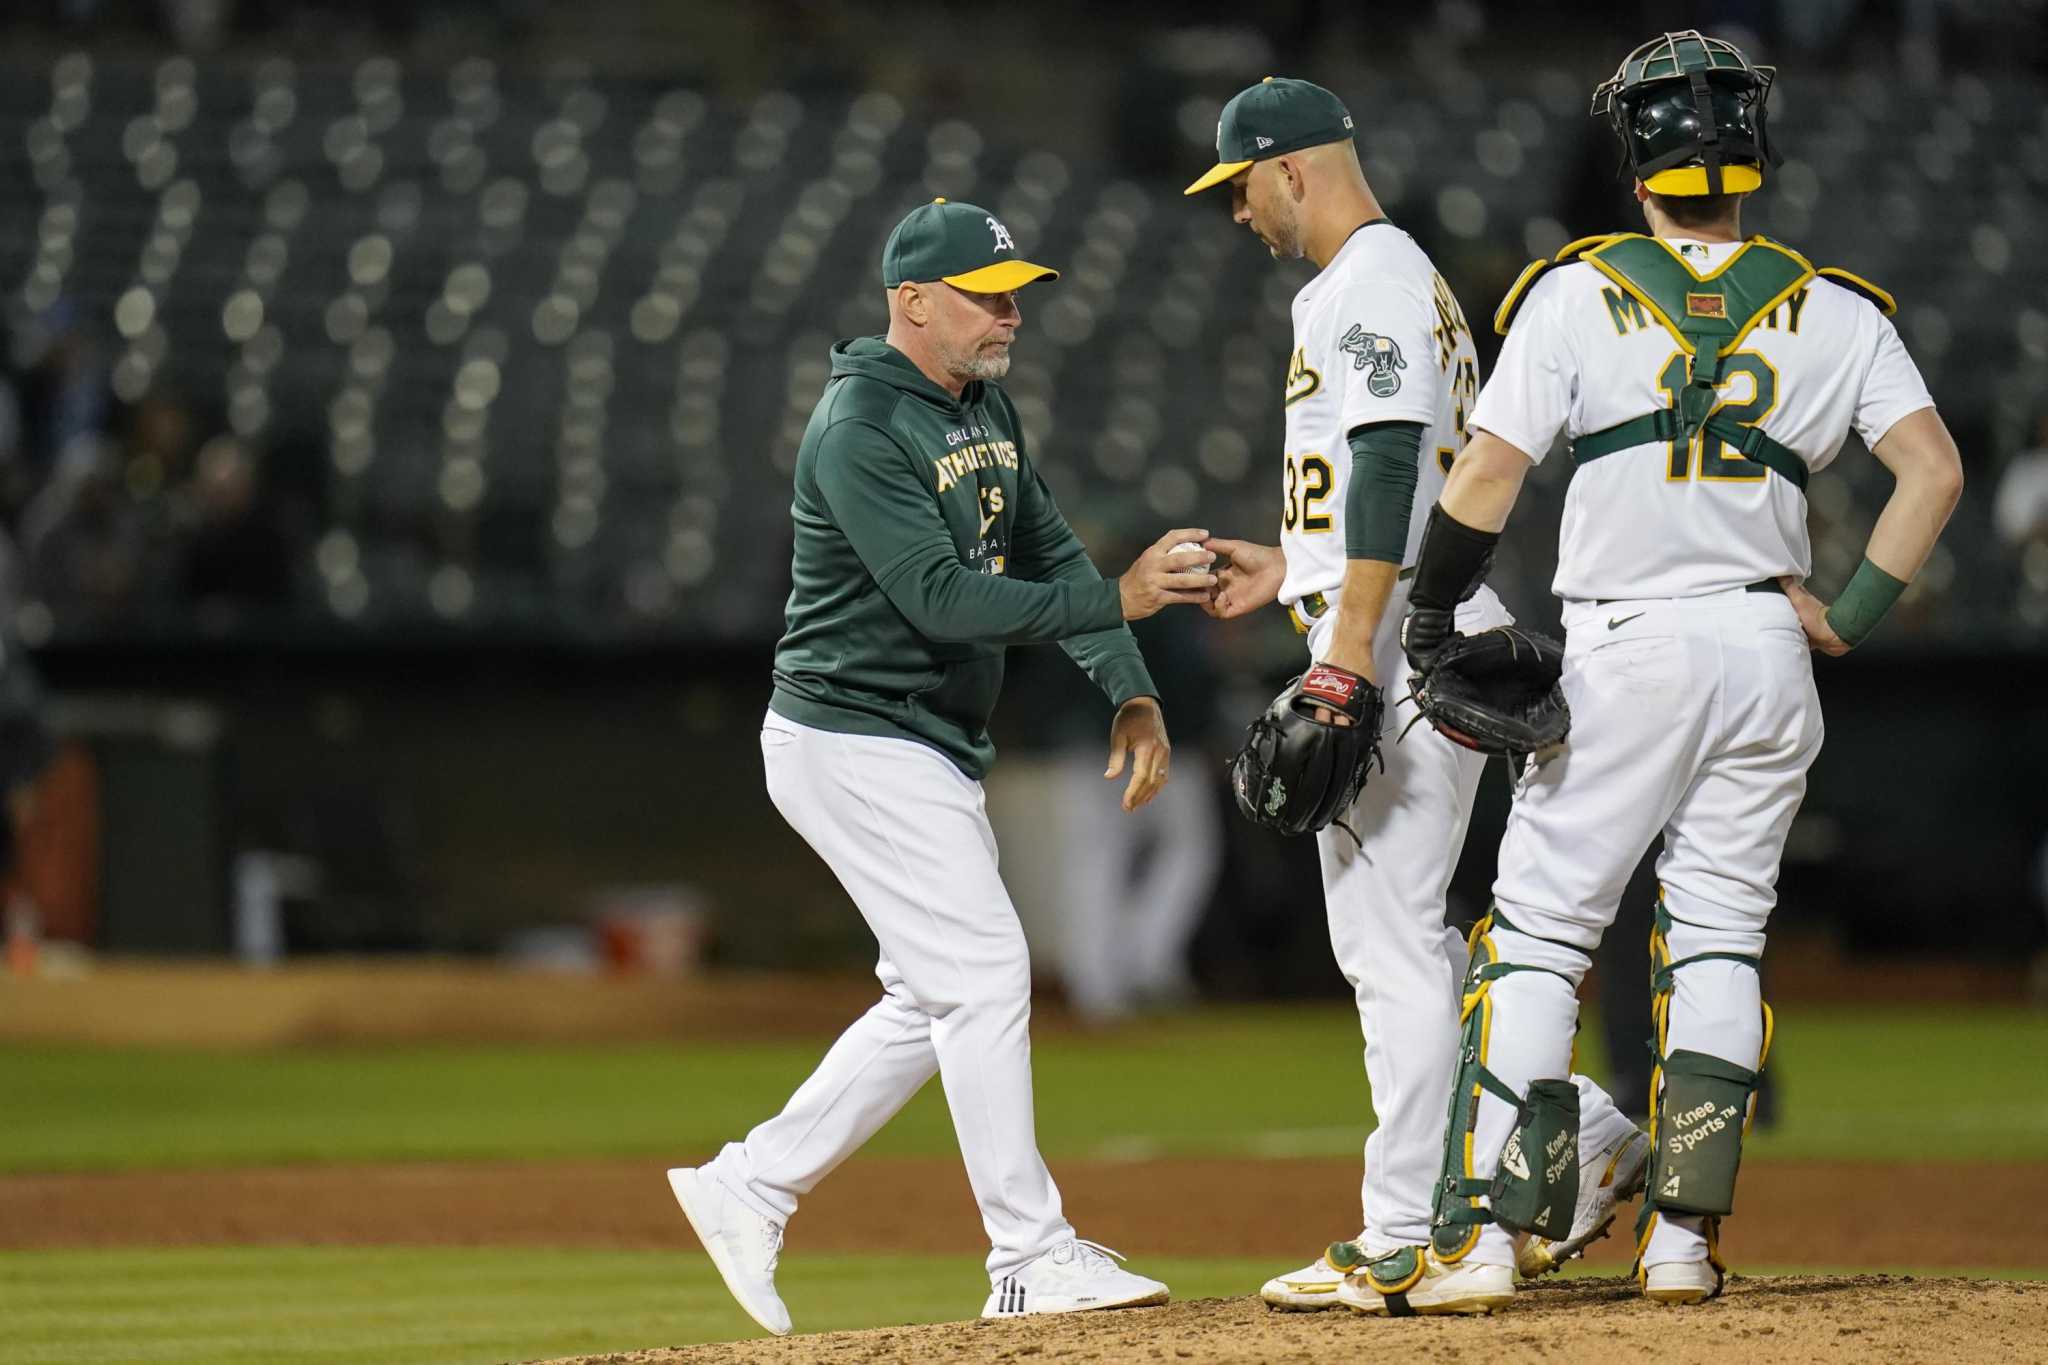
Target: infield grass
[1854, 1084]
[372, 1306]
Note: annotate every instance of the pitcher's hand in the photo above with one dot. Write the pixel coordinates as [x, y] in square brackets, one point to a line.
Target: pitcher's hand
[1357, 666]
[1248, 576]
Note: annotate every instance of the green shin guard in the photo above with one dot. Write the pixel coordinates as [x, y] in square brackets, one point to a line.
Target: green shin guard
[1537, 1186]
[1700, 1104]
[1700, 1118]
[1552, 1107]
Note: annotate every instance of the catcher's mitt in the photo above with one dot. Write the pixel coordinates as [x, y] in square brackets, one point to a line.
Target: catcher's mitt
[1297, 774]
[1496, 692]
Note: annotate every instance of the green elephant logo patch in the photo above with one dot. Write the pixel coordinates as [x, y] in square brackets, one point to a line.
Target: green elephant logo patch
[1381, 354]
[1276, 797]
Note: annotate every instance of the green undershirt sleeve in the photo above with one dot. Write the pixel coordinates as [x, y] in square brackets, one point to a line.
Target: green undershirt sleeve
[1385, 462]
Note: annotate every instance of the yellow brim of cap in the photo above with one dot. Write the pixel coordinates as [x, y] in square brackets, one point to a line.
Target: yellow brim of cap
[1001, 277]
[1218, 173]
[1687, 180]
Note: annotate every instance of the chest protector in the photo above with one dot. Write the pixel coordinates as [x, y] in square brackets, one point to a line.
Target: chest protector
[1709, 316]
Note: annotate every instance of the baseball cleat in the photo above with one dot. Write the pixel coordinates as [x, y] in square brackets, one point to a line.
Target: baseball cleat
[1076, 1276]
[741, 1243]
[1314, 1287]
[1623, 1164]
[1682, 1282]
[1410, 1281]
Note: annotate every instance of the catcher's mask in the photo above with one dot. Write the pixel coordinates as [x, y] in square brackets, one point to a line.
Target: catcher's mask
[1689, 111]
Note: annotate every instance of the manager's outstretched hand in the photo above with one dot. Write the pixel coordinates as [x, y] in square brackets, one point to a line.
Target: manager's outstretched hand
[1174, 569]
[1139, 730]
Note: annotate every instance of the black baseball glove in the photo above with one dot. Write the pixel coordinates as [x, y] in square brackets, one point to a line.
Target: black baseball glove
[1496, 691]
[1298, 774]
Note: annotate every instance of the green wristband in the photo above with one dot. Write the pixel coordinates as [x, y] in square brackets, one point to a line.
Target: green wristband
[1863, 603]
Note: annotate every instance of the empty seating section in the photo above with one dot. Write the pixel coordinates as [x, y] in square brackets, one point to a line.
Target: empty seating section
[554, 336]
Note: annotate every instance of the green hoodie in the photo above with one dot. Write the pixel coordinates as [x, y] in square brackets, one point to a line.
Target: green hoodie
[925, 543]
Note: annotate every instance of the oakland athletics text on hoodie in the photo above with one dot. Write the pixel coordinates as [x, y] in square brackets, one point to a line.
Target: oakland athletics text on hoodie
[925, 544]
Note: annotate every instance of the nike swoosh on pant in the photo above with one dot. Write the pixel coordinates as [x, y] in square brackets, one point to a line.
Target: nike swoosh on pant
[1613, 622]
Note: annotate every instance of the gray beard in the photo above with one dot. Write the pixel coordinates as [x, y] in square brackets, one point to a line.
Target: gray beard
[978, 366]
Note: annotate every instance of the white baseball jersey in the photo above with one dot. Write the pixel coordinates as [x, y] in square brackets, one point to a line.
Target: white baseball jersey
[1581, 356]
[1378, 337]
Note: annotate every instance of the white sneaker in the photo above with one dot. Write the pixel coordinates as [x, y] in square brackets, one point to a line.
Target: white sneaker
[1074, 1277]
[1314, 1286]
[1622, 1163]
[742, 1244]
[1682, 1282]
[1412, 1281]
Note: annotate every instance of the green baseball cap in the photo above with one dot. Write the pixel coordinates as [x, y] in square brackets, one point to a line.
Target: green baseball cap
[961, 244]
[1274, 117]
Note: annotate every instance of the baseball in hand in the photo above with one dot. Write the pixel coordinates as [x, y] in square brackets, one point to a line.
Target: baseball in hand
[1215, 560]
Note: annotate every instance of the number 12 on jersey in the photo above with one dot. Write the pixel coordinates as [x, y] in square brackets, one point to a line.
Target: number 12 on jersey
[1309, 484]
[1715, 464]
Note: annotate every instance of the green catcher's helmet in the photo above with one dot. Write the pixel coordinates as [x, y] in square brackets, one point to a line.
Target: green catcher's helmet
[1689, 109]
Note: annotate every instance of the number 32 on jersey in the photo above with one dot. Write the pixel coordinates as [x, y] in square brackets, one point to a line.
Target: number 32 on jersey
[1309, 484]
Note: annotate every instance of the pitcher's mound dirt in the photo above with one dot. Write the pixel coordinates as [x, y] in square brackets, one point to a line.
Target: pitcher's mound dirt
[1860, 1318]
[1792, 1213]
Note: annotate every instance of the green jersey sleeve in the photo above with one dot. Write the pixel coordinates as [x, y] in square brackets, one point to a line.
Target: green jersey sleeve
[1045, 548]
[878, 499]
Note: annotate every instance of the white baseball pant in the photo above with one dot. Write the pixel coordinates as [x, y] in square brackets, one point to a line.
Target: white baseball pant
[905, 832]
[1384, 894]
[1696, 716]
[1384, 897]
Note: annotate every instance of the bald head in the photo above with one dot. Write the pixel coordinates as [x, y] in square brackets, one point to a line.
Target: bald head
[1332, 164]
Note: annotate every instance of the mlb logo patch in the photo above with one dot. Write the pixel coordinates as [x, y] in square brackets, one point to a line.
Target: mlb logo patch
[1706, 306]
